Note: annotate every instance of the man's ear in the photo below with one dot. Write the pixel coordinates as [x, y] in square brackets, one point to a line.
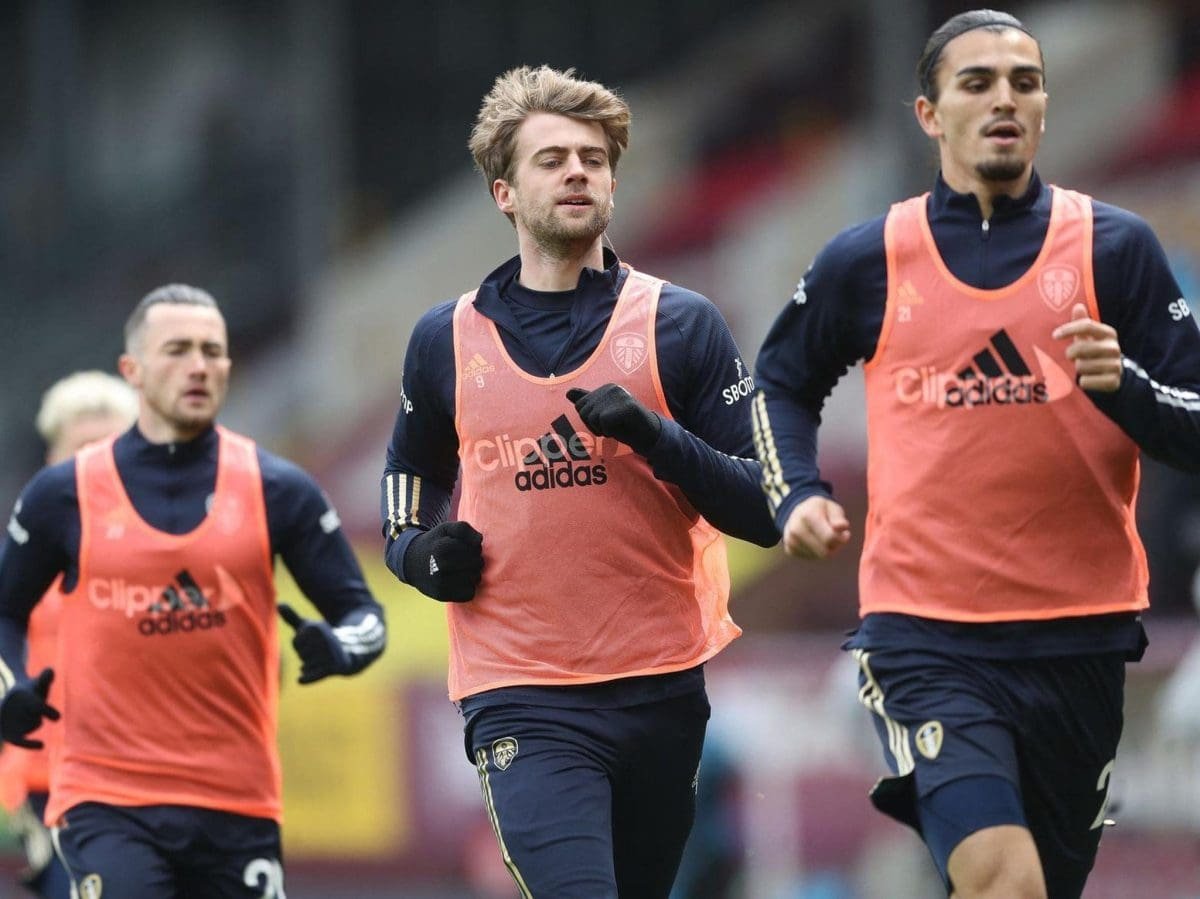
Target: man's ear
[502, 193]
[130, 369]
[926, 112]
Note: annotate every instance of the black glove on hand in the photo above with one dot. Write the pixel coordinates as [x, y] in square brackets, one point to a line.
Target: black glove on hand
[611, 411]
[23, 708]
[321, 652]
[446, 562]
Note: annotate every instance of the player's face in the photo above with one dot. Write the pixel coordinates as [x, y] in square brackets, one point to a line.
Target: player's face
[180, 369]
[82, 430]
[991, 110]
[562, 185]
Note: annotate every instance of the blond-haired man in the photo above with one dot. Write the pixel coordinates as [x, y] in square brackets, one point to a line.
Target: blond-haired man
[595, 419]
[76, 410]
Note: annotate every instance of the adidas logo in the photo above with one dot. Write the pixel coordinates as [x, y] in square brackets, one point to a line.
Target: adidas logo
[987, 365]
[433, 565]
[997, 375]
[172, 599]
[476, 368]
[182, 607]
[558, 461]
[567, 444]
[909, 295]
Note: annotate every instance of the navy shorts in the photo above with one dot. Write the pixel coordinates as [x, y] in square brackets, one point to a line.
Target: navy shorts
[977, 743]
[169, 852]
[591, 803]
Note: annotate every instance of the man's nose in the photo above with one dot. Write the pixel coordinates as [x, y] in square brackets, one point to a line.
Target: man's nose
[197, 363]
[1004, 99]
[575, 168]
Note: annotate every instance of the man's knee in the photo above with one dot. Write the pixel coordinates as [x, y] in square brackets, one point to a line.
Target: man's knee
[997, 863]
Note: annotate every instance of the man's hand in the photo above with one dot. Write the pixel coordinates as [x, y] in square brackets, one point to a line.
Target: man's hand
[446, 562]
[24, 707]
[816, 529]
[321, 652]
[612, 411]
[1094, 350]
[345, 649]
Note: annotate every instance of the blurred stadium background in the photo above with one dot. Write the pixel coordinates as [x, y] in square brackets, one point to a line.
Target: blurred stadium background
[305, 160]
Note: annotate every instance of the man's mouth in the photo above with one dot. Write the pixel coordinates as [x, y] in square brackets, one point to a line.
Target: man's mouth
[1003, 131]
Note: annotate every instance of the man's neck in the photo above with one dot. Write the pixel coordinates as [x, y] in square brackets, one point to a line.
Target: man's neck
[157, 431]
[541, 270]
[986, 192]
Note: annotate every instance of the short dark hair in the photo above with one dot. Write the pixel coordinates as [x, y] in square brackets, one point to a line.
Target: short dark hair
[991, 19]
[175, 294]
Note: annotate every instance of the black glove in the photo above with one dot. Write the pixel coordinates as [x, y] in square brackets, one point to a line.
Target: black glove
[611, 411]
[321, 653]
[446, 562]
[23, 708]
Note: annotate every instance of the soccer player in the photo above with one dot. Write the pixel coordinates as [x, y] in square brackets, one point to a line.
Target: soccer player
[1022, 342]
[596, 420]
[165, 780]
[77, 410]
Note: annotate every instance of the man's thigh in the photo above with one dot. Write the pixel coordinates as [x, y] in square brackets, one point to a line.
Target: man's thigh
[945, 736]
[170, 852]
[655, 801]
[1070, 724]
[232, 857]
[956, 729]
[108, 852]
[546, 774]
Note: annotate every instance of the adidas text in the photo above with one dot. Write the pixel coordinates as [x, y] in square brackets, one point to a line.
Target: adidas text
[549, 477]
[174, 622]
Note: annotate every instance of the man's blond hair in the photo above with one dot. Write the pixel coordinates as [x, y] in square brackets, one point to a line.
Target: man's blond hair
[84, 393]
[522, 91]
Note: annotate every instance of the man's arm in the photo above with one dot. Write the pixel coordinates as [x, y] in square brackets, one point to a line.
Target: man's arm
[1156, 400]
[307, 535]
[34, 553]
[832, 321]
[707, 451]
[442, 559]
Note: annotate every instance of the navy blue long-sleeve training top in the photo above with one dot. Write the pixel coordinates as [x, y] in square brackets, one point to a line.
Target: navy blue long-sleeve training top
[707, 451]
[837, 312]
[169, 485]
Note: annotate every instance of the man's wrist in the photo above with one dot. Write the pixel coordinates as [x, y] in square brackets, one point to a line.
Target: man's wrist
[398, 548]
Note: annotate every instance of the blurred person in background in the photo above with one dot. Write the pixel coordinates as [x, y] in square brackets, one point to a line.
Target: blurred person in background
[597, 419]
[165, 778]
[1022, 342]
[76, 410]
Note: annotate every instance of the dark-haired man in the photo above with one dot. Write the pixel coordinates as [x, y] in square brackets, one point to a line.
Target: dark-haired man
[165, 780]
[1020, 348]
